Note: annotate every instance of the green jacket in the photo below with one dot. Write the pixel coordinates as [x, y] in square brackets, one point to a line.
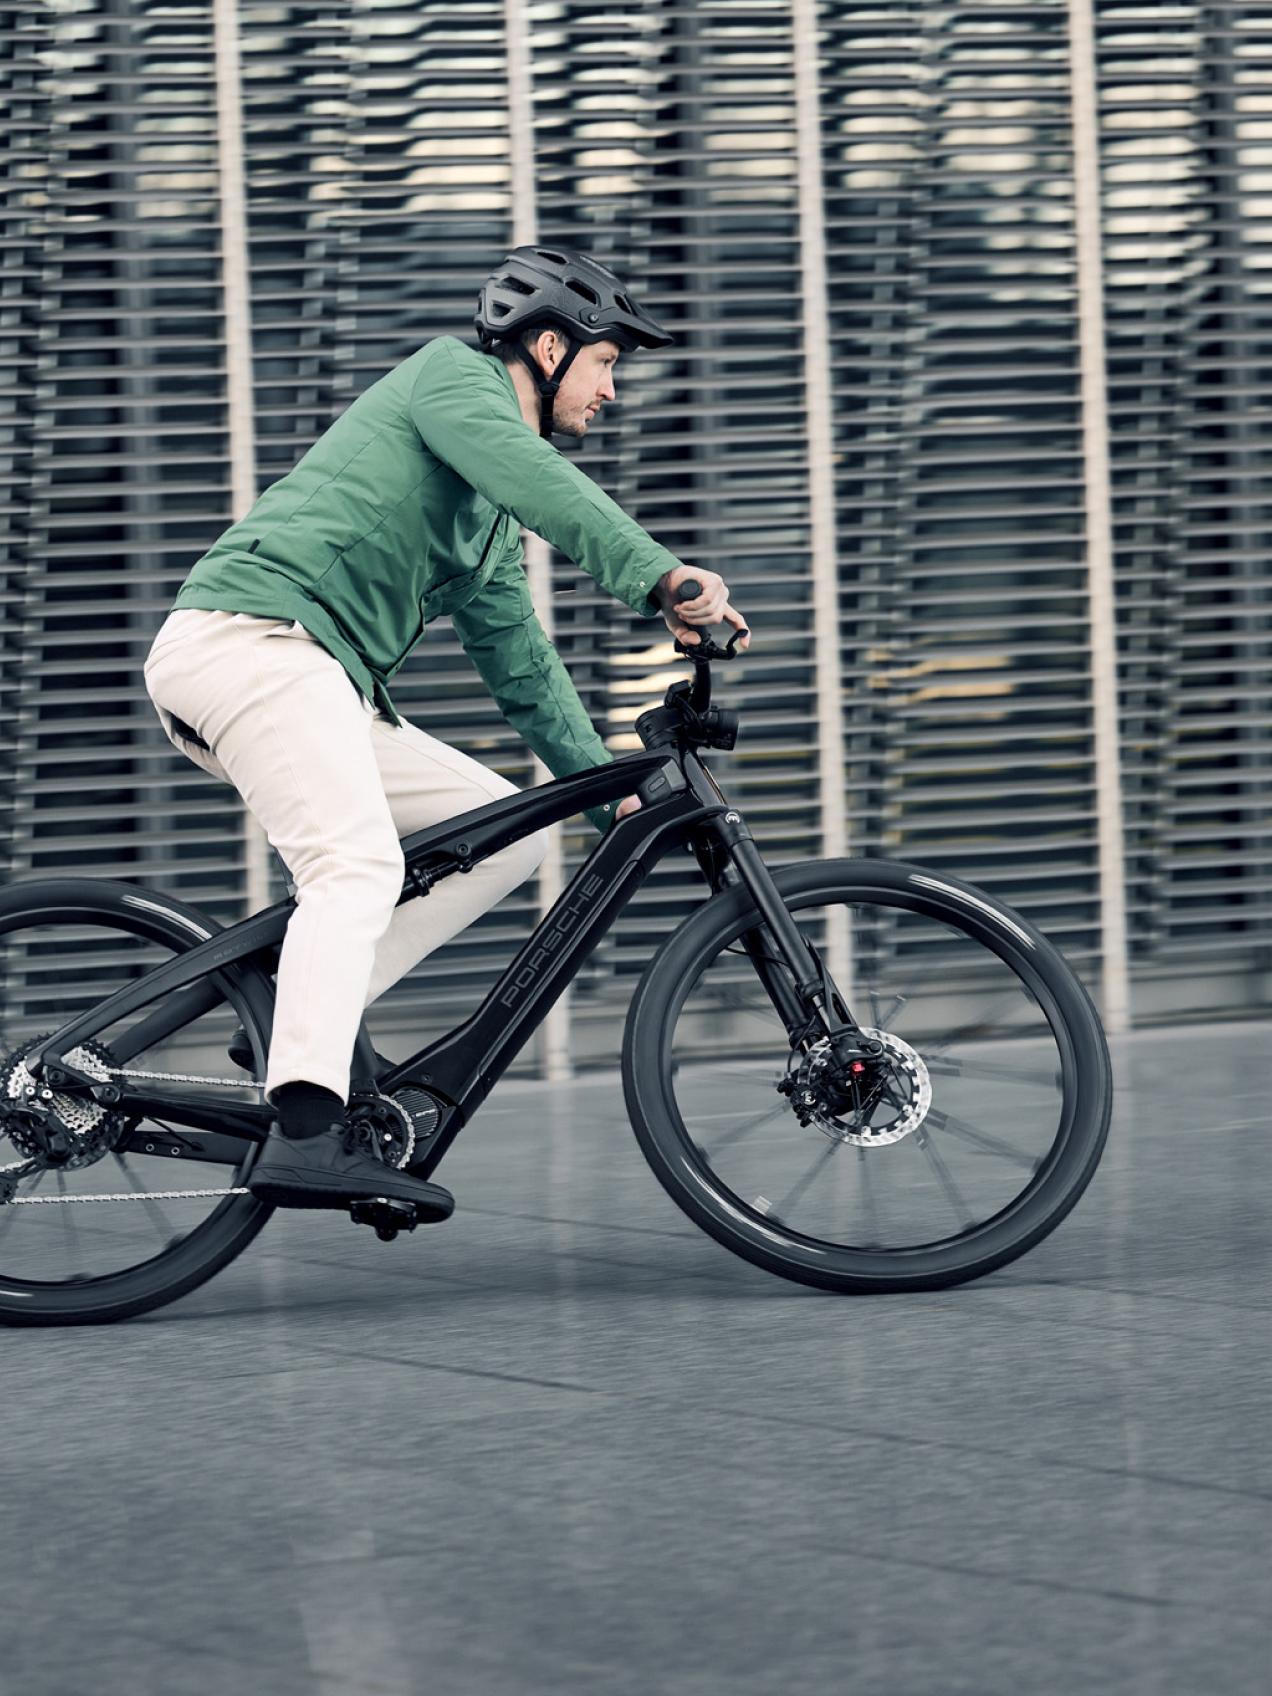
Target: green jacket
[410, 507]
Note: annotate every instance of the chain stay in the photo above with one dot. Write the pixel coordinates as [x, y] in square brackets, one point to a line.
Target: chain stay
[148, 1195]
[154, 1195]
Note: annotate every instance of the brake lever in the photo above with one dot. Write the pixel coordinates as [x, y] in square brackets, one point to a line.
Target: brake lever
[707, 648]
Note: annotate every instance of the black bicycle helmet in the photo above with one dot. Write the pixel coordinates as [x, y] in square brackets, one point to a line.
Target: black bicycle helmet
[543, 287]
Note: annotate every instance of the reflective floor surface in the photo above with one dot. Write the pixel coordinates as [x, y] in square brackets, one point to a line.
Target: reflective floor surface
[566, 1444]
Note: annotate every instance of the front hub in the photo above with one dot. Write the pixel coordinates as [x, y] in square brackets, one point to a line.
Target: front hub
[867, 1102]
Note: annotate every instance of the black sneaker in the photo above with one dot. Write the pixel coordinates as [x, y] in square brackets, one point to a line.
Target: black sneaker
[333, 1169]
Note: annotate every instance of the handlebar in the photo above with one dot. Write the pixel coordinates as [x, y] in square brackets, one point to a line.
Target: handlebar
[703, 651]
[686, 715]
[705, 648]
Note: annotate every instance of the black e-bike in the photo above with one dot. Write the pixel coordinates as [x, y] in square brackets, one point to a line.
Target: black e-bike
[858, 1074]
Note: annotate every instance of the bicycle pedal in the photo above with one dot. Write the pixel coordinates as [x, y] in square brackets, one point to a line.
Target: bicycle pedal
[386, 1218]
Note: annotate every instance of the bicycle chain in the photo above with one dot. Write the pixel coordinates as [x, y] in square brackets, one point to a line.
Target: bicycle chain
[185, 1078]
[149, 1195]
[131, 1195]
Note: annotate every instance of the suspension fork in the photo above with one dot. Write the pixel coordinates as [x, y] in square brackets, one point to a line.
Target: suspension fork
[778, 940]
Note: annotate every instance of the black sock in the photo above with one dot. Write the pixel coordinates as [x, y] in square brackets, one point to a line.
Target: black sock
[306, 1110]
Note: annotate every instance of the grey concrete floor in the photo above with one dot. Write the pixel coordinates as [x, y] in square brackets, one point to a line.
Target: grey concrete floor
[565, 1443]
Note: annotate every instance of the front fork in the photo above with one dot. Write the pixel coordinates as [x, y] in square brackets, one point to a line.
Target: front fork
[807, 1001]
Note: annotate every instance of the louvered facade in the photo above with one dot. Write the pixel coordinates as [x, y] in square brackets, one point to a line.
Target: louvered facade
[380, 147]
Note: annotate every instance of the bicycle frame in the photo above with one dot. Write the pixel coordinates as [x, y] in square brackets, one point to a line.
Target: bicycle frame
[680, 805]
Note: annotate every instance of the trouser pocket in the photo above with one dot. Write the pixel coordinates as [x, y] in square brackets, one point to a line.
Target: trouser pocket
[186, 740]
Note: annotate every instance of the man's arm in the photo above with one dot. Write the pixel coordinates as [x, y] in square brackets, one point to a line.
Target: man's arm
[501, 634]
[462, 409]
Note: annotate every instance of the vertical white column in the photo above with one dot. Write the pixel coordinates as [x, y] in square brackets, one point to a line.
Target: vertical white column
[236, 290]
[1115, 991]
[554, 1035]
[821, 478]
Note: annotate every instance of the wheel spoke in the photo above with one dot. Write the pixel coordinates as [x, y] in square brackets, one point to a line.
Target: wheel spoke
[70, 1231]
[941, 1066]
[982, 1139]
[750, 1004]
[883, 1021]
[744, 1129]
[729, 1069]
[976, 1028]
[158, 1218]
[952, 1192]
[869, 1205]
[795, 1193]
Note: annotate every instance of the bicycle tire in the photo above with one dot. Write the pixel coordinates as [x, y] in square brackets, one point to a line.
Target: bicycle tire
[678, 1163]
[231, 1226]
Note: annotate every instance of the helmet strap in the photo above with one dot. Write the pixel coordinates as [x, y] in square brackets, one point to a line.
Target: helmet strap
[546, 386]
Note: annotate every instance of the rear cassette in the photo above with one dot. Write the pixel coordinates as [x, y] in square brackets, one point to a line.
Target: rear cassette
[56, 1127]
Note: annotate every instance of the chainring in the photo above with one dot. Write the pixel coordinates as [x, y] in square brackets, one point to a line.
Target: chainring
[383, 1127]
[31, 1114]
[812, 1089]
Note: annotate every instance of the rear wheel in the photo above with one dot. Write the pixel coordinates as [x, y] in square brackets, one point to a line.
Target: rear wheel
[959, 1148]
[118, 1218]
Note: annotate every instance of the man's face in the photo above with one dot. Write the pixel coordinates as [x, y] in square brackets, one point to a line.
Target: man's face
[588, 384]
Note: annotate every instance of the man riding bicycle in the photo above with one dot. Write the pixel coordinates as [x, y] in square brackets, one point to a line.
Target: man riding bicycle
[272, 670]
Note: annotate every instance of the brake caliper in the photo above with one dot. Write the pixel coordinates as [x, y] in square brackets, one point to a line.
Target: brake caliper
[863, 1099]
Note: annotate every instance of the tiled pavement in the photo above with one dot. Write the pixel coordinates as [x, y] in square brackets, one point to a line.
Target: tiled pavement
[566, 1444]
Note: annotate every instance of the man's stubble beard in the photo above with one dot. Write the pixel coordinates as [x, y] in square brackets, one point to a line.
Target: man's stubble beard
[566, 427]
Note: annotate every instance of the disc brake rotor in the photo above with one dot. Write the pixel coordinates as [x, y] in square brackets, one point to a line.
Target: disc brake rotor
[895, 1095]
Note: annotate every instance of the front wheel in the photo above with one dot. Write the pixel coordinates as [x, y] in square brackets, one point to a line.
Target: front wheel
[966, 1142]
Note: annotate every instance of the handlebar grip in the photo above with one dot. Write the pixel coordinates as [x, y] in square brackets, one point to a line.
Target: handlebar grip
[689, 590]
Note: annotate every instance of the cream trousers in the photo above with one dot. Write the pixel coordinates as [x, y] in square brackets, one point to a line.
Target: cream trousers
[334, 786]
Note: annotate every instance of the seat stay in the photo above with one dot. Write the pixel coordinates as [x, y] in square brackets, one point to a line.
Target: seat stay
[250, 936]
[178, 1009]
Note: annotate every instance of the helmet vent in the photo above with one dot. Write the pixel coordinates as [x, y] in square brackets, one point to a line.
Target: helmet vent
[518, 285]
[624, 304]
[590, 295]
[546, 253]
